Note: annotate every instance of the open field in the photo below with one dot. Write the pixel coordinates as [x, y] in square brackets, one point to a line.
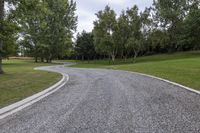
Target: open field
[183, 68]
[20, 80]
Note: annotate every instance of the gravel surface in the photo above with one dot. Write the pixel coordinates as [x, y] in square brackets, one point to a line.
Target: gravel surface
[108, 101]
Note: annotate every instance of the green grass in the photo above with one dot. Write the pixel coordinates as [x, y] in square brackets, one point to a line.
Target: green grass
[183, 68]
[21, 81]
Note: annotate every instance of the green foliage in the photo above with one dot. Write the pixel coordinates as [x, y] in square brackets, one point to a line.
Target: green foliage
[60, 26]
[134, 41]
[8, 37]
[8, 29]
[169, 15]
[167, 26]
[47, 26]
[122, 36]
[122, 33]
[190, 37]
[84, 46]
[47, 29]
[104, 28]
[158, 41]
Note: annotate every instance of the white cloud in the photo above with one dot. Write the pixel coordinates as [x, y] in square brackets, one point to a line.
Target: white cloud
[115, 2]
[85, 20]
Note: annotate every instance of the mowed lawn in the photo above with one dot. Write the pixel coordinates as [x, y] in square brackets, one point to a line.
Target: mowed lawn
[21, 80]
[183, 68]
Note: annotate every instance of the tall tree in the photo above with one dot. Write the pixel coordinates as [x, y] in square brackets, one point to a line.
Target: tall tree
[84, 46]
[104, 28]
[122, 33]
[61, 24]
[169, 15]
[48, 26]
[134, 42]
[30, 16]
[158, 41]
[7, 29]
[190, 37]
[1, 29]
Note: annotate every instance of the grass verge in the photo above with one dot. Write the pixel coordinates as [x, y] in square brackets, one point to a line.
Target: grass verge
[183, 68]
[21, 81]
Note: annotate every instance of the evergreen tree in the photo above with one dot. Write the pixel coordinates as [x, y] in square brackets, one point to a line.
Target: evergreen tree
[84, 46]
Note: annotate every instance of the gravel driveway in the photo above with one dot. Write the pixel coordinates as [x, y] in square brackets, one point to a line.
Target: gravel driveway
[108, 101]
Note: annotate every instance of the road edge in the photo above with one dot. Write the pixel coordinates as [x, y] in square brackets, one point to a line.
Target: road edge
[15, 107]
[165, 80]
[158, 78]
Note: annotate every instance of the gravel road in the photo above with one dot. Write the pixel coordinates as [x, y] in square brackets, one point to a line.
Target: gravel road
[108, 101]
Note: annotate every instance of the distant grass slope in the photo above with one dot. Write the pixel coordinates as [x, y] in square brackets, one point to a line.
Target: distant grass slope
[183, 68]
[20, 80]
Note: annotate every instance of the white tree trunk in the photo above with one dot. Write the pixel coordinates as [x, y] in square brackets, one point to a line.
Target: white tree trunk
[135, 55]
[113, 57]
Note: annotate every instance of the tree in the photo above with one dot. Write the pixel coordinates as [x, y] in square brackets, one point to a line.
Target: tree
[134, 42]
[7, 29]
[10, 47]
[48, 26]
[190, 37]
[1, 29]
[169, 15]
[30, 16]
[158, 41]
[84, 46]
[104, 28]
[61, 24]
[122, 34]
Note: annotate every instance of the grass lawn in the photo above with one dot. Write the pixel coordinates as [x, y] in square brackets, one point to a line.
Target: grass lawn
[183, 68]
[21, 81]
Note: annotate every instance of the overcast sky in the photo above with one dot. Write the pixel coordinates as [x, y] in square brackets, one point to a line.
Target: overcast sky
[86, 9]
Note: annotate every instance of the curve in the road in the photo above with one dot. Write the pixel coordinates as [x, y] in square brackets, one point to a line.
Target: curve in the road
[15, 107]
[165, 80]
[96, 100]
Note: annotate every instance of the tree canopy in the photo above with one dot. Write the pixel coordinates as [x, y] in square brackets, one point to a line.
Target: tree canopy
[84, 46]
[44, 29]
[47, 26]
[167, 26]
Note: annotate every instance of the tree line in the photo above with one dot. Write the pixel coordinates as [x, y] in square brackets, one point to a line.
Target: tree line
[166, 27]
[42, 29]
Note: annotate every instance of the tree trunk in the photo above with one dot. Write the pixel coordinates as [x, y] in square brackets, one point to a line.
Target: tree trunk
[135, 56]
[109, 59]
[50, 58]
[1, 70]
[88, 60]
[113, 57]
[36, 59]
[94, 59]
[42, 59]
[125, 58]
[1, 28]
[82, 58]
[122, 54]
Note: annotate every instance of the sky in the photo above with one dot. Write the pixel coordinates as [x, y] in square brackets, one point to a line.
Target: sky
[86, 10]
